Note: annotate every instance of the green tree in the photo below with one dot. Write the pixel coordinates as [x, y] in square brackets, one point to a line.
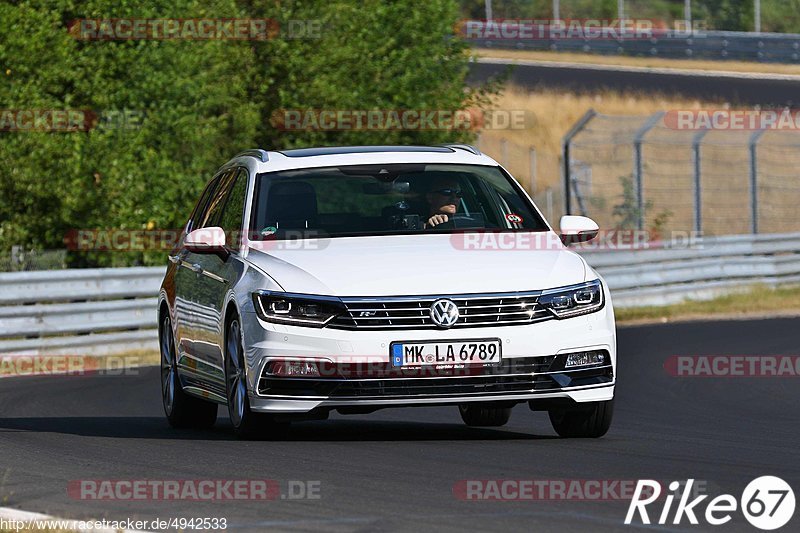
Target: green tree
[730, 15]
[370, 55]
[114, 176]
[780, 16]
[196, 102]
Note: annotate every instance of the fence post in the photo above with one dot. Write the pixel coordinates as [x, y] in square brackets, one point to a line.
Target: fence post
[637, 156]
[753, 146]
[698, 191]
[17, 258]
[576, 128]
[532, 154]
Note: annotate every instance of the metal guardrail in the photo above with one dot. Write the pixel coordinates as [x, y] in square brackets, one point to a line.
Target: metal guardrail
[91, 311]
[766, 47]
[103, 311]
[714, 266]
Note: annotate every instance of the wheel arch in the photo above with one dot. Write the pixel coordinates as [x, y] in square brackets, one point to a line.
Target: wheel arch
[231, 311]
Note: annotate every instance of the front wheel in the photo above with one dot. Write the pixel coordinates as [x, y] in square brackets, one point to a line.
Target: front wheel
[182, 410]
[484, 414]
[590, 420]
[246, 423]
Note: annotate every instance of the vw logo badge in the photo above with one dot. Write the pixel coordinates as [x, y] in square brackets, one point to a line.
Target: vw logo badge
[444, 313]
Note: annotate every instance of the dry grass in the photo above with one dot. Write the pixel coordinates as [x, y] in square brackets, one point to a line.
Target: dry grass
[606, 147]
[756, 302]
[646, 62]
[551, 114]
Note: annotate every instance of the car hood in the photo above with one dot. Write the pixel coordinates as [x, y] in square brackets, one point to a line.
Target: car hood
[413, 265]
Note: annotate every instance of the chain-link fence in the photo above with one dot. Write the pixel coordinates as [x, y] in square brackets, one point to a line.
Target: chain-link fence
[19, 259]
[656, 173]
[524, 162]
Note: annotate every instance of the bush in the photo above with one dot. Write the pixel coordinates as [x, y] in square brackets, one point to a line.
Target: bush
[190, 105]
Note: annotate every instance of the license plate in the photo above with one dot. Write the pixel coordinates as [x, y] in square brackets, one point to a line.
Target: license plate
[470, 352]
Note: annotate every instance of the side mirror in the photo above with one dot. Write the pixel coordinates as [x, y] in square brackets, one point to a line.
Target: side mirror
[207, 241]
[575, 229]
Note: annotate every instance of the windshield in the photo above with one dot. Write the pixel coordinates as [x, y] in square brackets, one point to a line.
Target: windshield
[389, 199]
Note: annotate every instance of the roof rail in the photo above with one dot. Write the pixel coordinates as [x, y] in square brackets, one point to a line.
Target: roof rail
[255, 152]
[468, 147]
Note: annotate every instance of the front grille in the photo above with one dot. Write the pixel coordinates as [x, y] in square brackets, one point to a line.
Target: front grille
[413, 312]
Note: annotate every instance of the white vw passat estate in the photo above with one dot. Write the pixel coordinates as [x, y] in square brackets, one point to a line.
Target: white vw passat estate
[359, 278]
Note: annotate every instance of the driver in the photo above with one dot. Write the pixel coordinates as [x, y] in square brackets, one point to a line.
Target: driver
[443, 199]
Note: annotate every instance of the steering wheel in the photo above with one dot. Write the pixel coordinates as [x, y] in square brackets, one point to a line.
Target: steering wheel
[463, 220]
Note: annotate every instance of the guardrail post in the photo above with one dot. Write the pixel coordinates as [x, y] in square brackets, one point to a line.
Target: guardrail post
[638, 172]
[753, 146]
[698, 172]
[565, 149]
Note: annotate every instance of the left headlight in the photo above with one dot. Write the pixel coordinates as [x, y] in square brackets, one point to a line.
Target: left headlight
[297, 309]
[566, 302]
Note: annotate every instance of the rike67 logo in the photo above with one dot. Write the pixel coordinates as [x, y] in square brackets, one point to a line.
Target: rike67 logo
[767, 503]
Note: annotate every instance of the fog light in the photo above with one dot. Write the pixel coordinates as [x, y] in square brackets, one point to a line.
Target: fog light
[294, 368]
[585, 359]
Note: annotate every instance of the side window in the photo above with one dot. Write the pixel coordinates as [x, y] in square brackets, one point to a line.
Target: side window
[478, 200]
[233, 212]
[214, 207]
[200, 208]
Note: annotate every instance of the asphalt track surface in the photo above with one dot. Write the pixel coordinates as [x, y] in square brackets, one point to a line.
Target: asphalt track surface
[394, 470]
[745, 90]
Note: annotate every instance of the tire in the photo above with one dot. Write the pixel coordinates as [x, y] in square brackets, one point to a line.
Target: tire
[590, 420]
[246, 423]
[182, 410]
[484, 414]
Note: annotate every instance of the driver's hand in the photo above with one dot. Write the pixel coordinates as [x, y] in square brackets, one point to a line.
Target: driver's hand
[435, 220]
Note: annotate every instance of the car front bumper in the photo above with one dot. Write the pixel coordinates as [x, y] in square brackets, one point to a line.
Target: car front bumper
[532, 365]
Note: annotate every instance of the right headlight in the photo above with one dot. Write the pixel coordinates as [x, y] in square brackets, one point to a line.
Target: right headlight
[566, 302]
[297, 309]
